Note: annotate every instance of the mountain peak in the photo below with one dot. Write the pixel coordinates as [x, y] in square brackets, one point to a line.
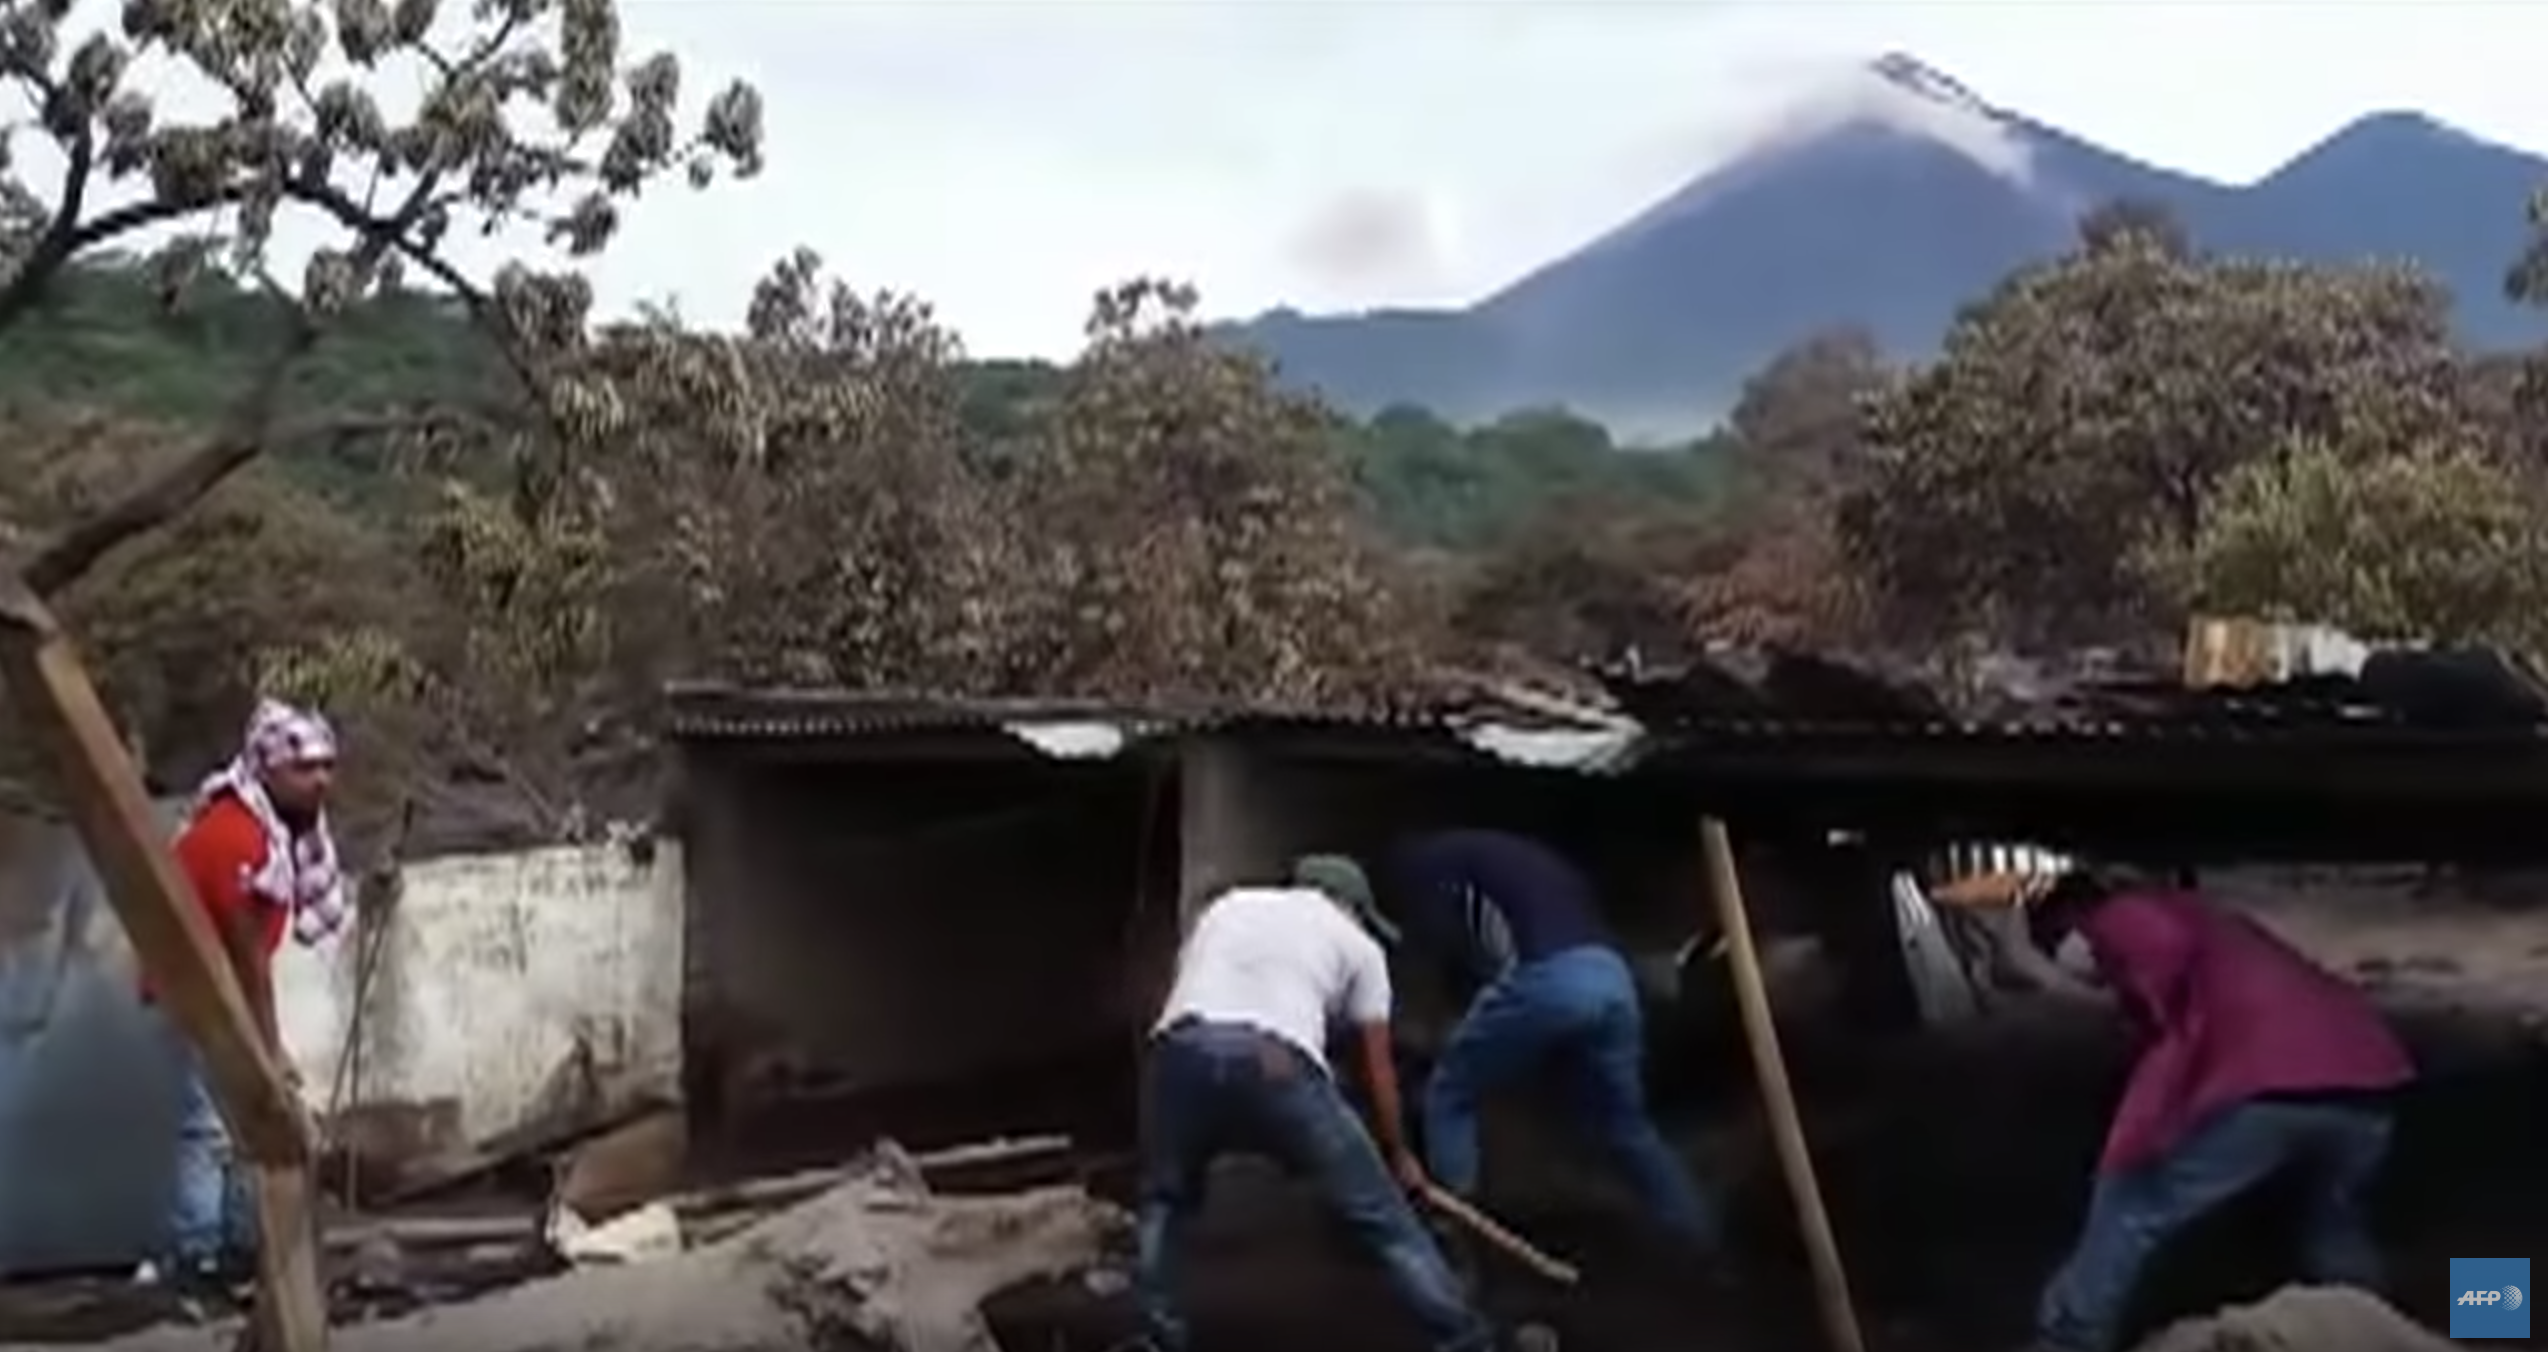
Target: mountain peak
[1854, 203]
[1918, 78]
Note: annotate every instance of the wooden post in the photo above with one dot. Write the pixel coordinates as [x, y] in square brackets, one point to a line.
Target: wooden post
[1220, 842]
[102, 789]
[1778, 1098]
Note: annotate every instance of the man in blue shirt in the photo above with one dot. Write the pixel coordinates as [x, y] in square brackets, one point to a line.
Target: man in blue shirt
[1517, 921]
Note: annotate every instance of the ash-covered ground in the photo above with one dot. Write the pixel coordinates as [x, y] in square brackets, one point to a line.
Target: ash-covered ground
[1955, 1164]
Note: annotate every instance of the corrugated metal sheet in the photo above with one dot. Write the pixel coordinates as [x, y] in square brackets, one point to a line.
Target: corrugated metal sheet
[88, 1074]
[1076, 728]
[703, 711]
[2396, 695]
[1751, 697]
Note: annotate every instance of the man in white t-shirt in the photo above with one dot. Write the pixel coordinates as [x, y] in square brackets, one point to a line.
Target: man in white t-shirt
[1238, 1064]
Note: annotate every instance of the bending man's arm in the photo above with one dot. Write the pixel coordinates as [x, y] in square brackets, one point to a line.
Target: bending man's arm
[1367, 1004]
[2013, 943]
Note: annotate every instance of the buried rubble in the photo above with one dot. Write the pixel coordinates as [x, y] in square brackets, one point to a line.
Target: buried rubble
[877, 1263]
[2302, 1319]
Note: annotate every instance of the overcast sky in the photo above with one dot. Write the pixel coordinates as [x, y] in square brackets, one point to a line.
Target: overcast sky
[1005, 158]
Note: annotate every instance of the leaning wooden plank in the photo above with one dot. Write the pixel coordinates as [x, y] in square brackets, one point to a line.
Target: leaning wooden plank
[103, 792]
[174, 940]
[1778, 1096]
[291, 1308]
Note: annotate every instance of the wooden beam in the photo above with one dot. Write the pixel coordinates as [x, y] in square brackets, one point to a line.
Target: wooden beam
[102, 790]
[1220, 842]
[1778, 1097]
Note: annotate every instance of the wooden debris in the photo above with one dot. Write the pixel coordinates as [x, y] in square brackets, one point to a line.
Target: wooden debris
[625, 1167]
[875, 1264]
[708, 1214]
[443, 1172]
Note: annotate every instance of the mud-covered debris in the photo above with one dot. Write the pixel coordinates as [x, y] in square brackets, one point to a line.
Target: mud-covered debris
[876, 1264]
[2303, 1319]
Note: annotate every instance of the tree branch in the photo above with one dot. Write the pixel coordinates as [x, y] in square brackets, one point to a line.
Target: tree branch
[482, 310]
[69, 556]
[61, 239]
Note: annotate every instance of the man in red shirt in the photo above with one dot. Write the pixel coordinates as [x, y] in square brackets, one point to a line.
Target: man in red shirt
[256, 850]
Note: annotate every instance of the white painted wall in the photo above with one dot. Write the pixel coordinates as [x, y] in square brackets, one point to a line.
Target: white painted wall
[495, 971]
[505, 981]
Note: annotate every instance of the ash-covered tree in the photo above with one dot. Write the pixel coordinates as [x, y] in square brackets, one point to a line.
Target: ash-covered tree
[2520, 380]
[2527, 280]
[171, 631]
[2108, 223]
[2079, 418]
[199, 127]
[1799, 442]
[789, 503]
[2437, 543]
[165, 625]
[1590, 579]
[1197, 529]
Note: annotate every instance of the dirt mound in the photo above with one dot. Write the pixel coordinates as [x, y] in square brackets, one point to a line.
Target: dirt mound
[2303, 1319]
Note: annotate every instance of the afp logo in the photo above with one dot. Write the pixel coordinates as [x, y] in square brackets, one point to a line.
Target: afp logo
[2490, 1298]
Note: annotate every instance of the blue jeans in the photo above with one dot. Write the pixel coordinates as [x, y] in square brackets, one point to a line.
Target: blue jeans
[1575, 1012]
[210, 1223]
[2337, 1146]
[1219, 1088]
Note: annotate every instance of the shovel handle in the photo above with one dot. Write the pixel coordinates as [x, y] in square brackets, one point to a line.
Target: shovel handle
[1493, 1232]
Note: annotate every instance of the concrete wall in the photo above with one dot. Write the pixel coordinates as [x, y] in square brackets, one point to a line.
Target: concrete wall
[493, 972]
[508, 989]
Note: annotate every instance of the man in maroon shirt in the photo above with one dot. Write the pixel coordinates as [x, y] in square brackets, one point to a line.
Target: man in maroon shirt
[2253, 1062]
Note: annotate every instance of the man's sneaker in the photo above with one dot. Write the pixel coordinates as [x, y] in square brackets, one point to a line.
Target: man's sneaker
[199, 1292]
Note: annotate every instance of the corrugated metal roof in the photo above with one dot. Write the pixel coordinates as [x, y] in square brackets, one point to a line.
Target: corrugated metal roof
[703, 711]
[2462, 695]
[2434, 700]
[1531, 729]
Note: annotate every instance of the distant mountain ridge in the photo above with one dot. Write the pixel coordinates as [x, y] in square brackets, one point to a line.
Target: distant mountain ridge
[1888, 204]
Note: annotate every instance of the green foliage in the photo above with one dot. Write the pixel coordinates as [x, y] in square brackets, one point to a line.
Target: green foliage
[1434, 484]
[103, 340]
[2446, 544]
[103, 337]
[2084, 413]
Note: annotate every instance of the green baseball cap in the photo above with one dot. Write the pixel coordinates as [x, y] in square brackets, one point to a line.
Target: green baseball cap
[1344, 880]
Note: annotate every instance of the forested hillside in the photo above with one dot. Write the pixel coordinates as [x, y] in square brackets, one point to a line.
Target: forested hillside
[104, 340]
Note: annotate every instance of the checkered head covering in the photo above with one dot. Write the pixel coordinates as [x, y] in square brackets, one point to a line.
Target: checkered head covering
[300, 871]
[281, 735]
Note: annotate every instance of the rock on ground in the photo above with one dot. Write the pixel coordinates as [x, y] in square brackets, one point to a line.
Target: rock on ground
[877, 1264]
[2303, 1319]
